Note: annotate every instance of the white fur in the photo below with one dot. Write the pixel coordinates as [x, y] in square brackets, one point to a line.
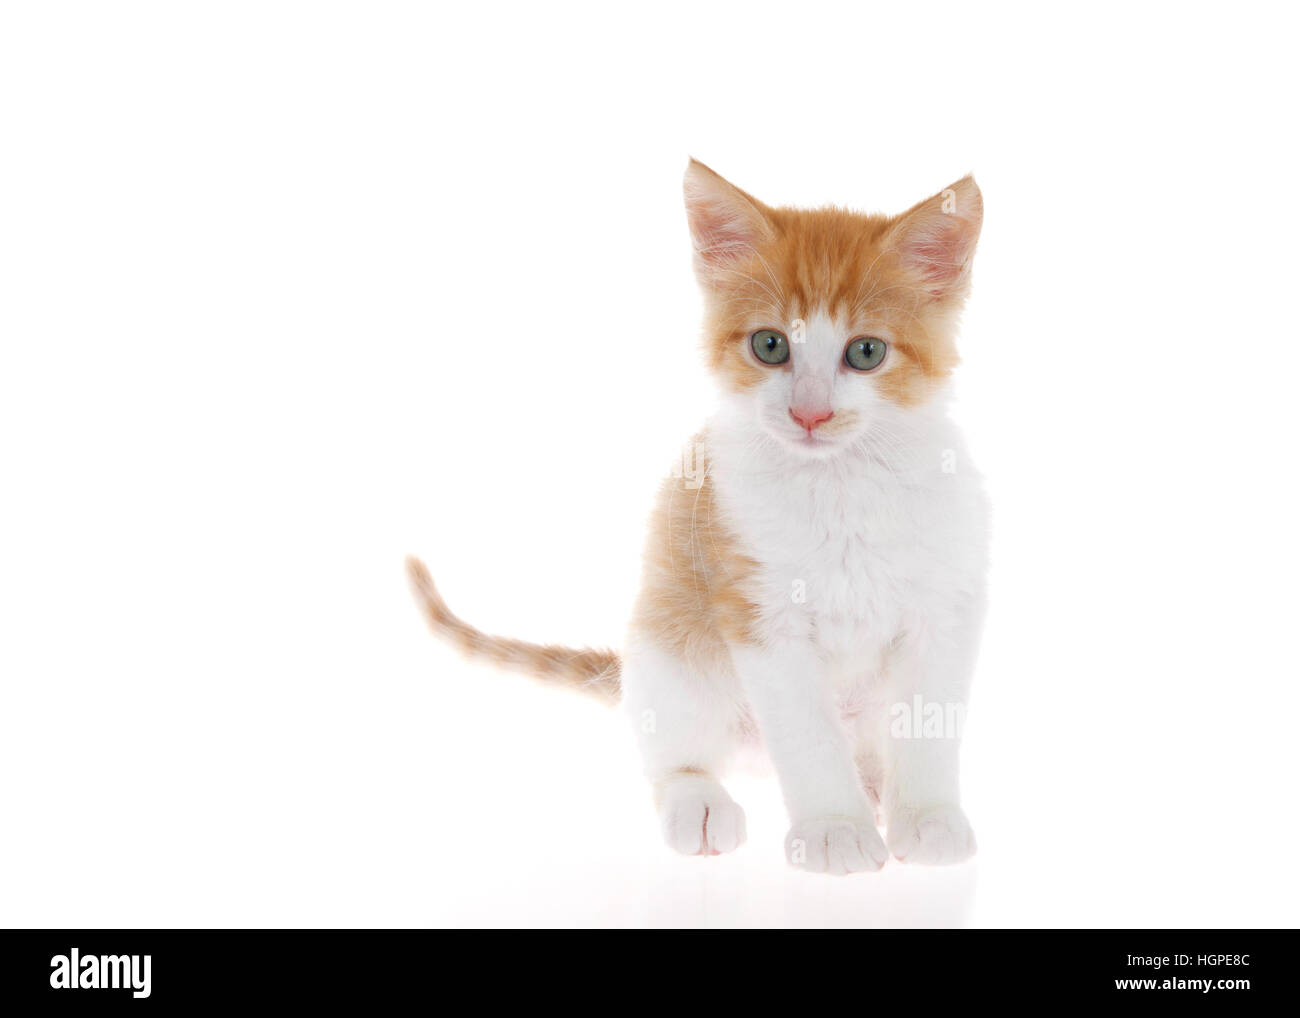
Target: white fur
[871, 552]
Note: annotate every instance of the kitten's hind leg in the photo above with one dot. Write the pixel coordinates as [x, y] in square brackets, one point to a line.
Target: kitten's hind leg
[871, 772]
[686, 722]
[869, 732]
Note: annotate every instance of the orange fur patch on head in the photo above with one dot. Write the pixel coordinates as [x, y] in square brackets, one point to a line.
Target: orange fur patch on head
[901, 278]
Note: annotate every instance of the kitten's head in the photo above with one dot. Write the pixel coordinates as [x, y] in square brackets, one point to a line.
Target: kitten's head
[826, 324]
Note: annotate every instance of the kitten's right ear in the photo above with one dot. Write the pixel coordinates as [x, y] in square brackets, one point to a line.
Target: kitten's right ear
[727, 225]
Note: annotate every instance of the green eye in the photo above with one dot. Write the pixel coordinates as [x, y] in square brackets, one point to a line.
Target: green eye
[865, 354]
[770, 346]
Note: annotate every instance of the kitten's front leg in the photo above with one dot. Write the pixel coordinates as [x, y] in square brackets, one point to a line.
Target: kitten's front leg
[928, 679]
[831, 826]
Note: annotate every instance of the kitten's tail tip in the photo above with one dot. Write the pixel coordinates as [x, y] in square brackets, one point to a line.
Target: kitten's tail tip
[418, 573]
[422, 586]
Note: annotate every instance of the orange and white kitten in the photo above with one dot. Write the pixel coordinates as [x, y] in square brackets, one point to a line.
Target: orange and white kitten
[816, 577]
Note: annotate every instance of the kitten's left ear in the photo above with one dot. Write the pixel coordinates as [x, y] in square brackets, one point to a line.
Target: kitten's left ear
[935, 240]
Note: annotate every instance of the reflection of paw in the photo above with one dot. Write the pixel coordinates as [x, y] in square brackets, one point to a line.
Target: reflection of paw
[836, 845]
[930, 835]
[698, 817]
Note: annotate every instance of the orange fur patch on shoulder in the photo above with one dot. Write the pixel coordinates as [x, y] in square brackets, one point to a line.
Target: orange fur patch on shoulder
[693, 598]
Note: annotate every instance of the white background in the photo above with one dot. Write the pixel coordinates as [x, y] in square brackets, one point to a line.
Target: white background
[290, 290]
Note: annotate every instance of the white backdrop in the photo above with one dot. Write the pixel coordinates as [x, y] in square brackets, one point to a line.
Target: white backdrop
[290, 290]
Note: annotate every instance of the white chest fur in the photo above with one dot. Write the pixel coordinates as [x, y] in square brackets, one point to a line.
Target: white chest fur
[857, 550]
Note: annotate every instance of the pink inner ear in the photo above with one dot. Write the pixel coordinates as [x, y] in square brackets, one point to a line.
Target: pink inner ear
[939, 250]
[719, 234]
[724, 226]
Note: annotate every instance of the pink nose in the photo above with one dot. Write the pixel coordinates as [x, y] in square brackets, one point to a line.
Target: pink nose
[810, 419]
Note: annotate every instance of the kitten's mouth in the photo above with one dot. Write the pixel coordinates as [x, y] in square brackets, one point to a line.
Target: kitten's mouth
[834, 433]
[815, 442]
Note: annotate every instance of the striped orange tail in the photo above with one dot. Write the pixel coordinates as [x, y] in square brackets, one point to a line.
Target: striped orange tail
[594, 672]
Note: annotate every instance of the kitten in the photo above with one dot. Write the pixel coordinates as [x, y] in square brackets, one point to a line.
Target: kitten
[816, 573]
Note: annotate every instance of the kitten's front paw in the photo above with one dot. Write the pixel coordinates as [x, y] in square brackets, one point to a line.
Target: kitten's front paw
[698, 817]
[930, 835]
[835, 845]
